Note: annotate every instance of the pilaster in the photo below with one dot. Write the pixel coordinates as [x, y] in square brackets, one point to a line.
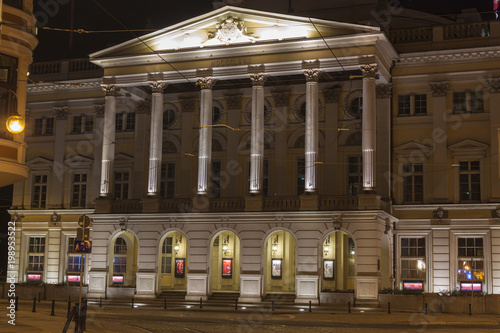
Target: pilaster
[494, 90]
[99, 128]
[281, 102]
[331, 96]
[383, 141]
[233, 103]
[369, 127]
[59, 170]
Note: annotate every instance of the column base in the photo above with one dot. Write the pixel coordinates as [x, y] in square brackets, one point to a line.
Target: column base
[307, 289]
[97, 284]
[250, 288]
[254, 203]
[309, 201]
[146, 285]
[366, 287]
[197, 287]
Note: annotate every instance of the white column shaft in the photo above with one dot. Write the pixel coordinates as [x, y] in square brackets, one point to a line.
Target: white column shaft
[368, 140]
[155, 144]
[108, 145]
[205, 140]
[257, 139]
[311, 135]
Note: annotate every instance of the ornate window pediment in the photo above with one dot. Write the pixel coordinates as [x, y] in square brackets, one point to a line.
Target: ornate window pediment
[413, 150]
[468, 148]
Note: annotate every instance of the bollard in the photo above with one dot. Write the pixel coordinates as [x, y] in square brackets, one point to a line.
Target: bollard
[201, 303]
[470, 309]
[17, 302]
[425, 308]
[388, 307]
[53, 305]
[69, 309]
[38, 297]
[348, 307]
[165, 303]
[310, 306]
[236, 304]
[100, 302]
[272, 305]
[132, 302]
[34, 305]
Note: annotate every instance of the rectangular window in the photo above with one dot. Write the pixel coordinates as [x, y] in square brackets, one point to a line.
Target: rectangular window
[413, 258]
[119, 120]
[413, 182]
[79, 190]
[354, 175]
[166, 260]
[77, 124]
[459, 102]
[476, 101]
[301, 175]
[121, 185]
[420, 104]
[36, 254]
[49, 126]
[38, 129]
[168, 180]
[404, 105]
[89, 124]
[470, 181]
[130, 124]
[43, 126]
[39, 199]
[75, 263]
[470, 259]
[119, 264]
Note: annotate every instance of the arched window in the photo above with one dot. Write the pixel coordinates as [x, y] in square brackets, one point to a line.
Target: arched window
[120, 257]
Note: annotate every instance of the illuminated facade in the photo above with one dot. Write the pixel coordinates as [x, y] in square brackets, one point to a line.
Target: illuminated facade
[16, 46]
[260, 153]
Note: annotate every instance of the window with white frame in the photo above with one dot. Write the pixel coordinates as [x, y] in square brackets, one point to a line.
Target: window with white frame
[413, 104]
[125, 122]
[36, 254]
[420, 104]
[122, 180]
[468, 101]
[470, 261]
[459, 102]
[82, 124]
[120, 256]
[166, 256]
[354, 175]
[79, 190]
[167, 185]
[413, 261]
[404, 105]
[469, 181]
[413, 182]
[43, 126]
[74, 259]
[39, 194]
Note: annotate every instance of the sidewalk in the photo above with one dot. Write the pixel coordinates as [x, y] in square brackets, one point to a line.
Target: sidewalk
[122, 318]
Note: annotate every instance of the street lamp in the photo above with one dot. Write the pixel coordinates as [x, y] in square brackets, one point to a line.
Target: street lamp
[15, 123]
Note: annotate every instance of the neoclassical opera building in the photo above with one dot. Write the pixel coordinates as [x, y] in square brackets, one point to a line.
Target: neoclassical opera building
[257, 153]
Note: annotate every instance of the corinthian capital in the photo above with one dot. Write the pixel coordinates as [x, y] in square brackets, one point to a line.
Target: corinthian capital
[258, 79]
[493, 85]
[369, 70]
[110, 89]
[206, 82]
[61, 113]
[312, 75]
[233, 102]
[383, 90]
[439, 89]
[158, 86]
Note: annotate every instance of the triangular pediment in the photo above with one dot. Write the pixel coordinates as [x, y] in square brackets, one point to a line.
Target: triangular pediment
[413, 148]
[231, 26]
[123, 161]
[40, 163]
[468, 147]
[79, 162]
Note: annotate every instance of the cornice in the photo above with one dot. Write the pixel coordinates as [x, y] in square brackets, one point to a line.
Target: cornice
[449, 56]
[51, 87]
[433, 207]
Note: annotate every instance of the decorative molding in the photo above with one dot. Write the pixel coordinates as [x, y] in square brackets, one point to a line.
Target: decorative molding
[369, 70]
[383, 90]
[312, 75]
[331, 95]
[440, 214]
[230, 30]
[439, 89]
[206, 82]
[348, 110]
[448, 58]
[281, 98]
[58, 87]
[110, 89]
[99, 110]
[258, 79]
[493, 85]
[158, 86]
[61, 113]
[187, 104]
[233, 102]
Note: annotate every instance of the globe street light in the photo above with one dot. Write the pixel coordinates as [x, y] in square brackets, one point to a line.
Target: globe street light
[15, 123]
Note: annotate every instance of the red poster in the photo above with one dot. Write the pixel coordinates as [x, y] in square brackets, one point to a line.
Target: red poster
[179, 267]
[227, 267]
[495, 4]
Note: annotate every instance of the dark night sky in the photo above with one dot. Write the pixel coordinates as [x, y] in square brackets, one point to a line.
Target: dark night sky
[157, 14]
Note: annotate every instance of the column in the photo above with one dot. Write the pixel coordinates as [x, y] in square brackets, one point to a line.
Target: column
[331, 96]
[108, 140]
[281, 101]
[156, 136]
[439, 90]
[257, 132]
[383, 144]
[368, 126]
[205, 139]
[59, 170]
[494, 90]
[311, 132]
[99, 128]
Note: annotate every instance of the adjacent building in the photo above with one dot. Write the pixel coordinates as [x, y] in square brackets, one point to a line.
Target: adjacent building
[258, 153]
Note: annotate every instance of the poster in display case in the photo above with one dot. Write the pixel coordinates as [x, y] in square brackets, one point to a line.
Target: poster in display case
[179, 267]
[227, 268]
[329, 269]
[276, 268]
